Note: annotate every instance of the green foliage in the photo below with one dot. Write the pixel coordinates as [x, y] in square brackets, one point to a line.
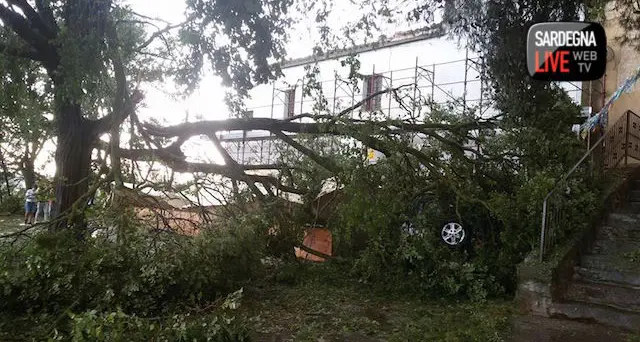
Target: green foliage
[633, 256]
[519, 213]
[428, 270]
[369, 230]
[255, 33]
[501, 209]
[24, 105]
[595, 10]
[12, 205]
[118, 326]
[535, 122]
[145, 276]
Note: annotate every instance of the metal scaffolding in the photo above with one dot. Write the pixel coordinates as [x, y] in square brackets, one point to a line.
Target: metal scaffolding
[459, 85]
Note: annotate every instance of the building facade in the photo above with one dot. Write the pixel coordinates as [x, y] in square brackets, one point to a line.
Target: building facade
[622, 61]
[430, 66]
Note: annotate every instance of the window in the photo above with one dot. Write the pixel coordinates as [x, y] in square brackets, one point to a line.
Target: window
[248, 114]
[371, 85]
[289, 102]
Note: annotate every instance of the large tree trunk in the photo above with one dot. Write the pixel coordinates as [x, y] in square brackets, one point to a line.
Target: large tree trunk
[73, 162]
[28, 172]
[5, 172]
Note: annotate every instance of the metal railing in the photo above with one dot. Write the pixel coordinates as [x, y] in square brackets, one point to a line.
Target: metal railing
[615, 146]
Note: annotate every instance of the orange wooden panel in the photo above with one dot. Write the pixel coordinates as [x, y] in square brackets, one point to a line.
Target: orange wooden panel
[318, 239]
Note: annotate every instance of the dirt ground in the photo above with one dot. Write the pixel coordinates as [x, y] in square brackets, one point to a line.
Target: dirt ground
[315, 312]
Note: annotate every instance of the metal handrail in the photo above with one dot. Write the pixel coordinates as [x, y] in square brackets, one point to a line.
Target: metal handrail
[555, 187]
[618, 135]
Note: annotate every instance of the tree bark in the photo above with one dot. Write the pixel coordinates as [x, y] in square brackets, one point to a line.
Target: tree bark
[28, 171]
[73, 161]
[5, 172]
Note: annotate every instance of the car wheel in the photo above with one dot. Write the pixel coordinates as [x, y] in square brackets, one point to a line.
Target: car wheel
[453, 234]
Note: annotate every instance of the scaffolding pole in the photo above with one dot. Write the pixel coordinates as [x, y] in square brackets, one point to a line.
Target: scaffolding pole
[464, 91]
[273, 99]
[353, 94]
[389, 94]
[481, 86]
[433, 82]
[415, 88]
[302, 97]
[335, 88]
[372, 100]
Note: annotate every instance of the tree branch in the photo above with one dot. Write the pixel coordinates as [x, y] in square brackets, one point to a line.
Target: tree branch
[356, 105]
[176, 161]
[47, 15]
[235, 167]
[322, 161]
[156, 35]
[33, 17]
[21, 27]
[189, 129]
[15, 51]
[238, 124]
[123, 104]
[169, 153]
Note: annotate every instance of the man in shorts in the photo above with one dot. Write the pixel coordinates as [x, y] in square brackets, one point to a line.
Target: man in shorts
[30, 205]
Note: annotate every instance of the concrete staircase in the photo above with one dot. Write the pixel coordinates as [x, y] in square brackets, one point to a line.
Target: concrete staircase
[606, 284]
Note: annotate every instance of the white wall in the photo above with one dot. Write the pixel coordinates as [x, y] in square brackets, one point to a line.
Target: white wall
[396, 62]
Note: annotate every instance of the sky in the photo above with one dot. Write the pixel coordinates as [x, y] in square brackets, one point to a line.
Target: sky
[207, 101]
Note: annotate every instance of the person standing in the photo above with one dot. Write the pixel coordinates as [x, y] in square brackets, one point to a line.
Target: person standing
[52, 202]
[30, 205]
[43, 196]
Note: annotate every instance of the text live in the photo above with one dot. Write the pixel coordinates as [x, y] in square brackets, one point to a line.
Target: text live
[566, 51]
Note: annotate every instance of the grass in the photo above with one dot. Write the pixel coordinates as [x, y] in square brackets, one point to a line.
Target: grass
[10, 224]
[313, 312]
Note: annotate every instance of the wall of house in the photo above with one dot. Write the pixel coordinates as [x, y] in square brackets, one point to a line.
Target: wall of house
[396, 63]
[622, 60]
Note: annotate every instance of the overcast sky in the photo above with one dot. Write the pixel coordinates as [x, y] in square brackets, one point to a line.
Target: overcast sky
[207, 102]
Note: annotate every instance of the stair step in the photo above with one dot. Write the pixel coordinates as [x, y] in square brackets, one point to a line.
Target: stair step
[624, 219]
[591, 312]
[614, 247]
[542, 329]
[615, 296]
[618, 262]
[610, 232]
[634, 195]
[621, 277]
[625, 209]
[633, 205]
